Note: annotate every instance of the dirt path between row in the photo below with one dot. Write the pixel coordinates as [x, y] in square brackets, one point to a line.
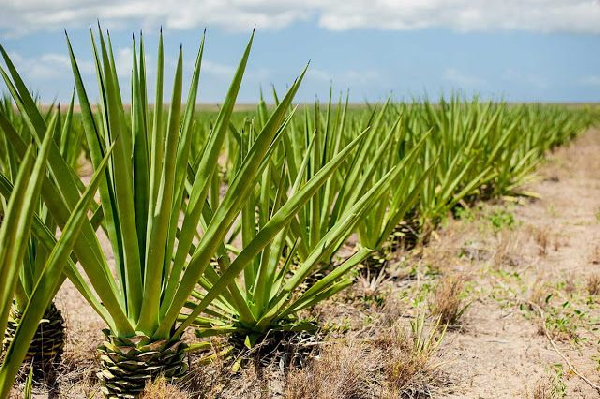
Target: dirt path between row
[544, 253]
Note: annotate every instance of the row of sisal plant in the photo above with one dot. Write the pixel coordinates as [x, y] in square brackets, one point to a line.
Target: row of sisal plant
[450, 154]
[235, 247]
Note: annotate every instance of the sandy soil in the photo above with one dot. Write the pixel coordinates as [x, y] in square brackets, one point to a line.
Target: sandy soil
[552, 248]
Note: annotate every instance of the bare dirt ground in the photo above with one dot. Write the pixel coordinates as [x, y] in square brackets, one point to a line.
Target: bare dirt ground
[546, 254]
[518, 281]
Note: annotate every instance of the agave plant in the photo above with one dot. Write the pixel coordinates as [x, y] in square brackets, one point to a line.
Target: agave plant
[296, 270]
[324, 134]
[151, 208]
[271, 292]
[315, 143]
[379, 153]
[534, 130]
[21, 221]
[48, 341]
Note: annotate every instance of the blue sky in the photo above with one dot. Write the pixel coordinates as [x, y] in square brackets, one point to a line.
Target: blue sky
[528, 50]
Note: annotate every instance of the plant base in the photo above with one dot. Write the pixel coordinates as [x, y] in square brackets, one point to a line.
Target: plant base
[283, 347]
[128, 364]
[46, 346]
[406, 235]
[374, 264]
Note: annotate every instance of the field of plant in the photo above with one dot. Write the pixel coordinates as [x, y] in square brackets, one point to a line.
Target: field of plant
[215, 237]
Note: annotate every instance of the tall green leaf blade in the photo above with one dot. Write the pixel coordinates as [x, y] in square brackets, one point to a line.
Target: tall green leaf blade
[162, 215]
[47, 286]
[202, 180]
[141, 161]
[122, 165]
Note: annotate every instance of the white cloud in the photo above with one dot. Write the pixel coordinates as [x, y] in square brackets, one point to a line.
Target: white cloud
[47, 66]
[463, 80]
[51, 66]
[124, 61]
[22, 16]
[467, 15]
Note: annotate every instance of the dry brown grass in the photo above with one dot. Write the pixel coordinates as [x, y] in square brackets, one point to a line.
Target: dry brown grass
[395, 363]
[449, 300]
[249, 382]
[543, 389]
[546, 239]
[161, 389]
[409, 369]
[593, 284]
[342, 371]
[570, 286]
[542, 237]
